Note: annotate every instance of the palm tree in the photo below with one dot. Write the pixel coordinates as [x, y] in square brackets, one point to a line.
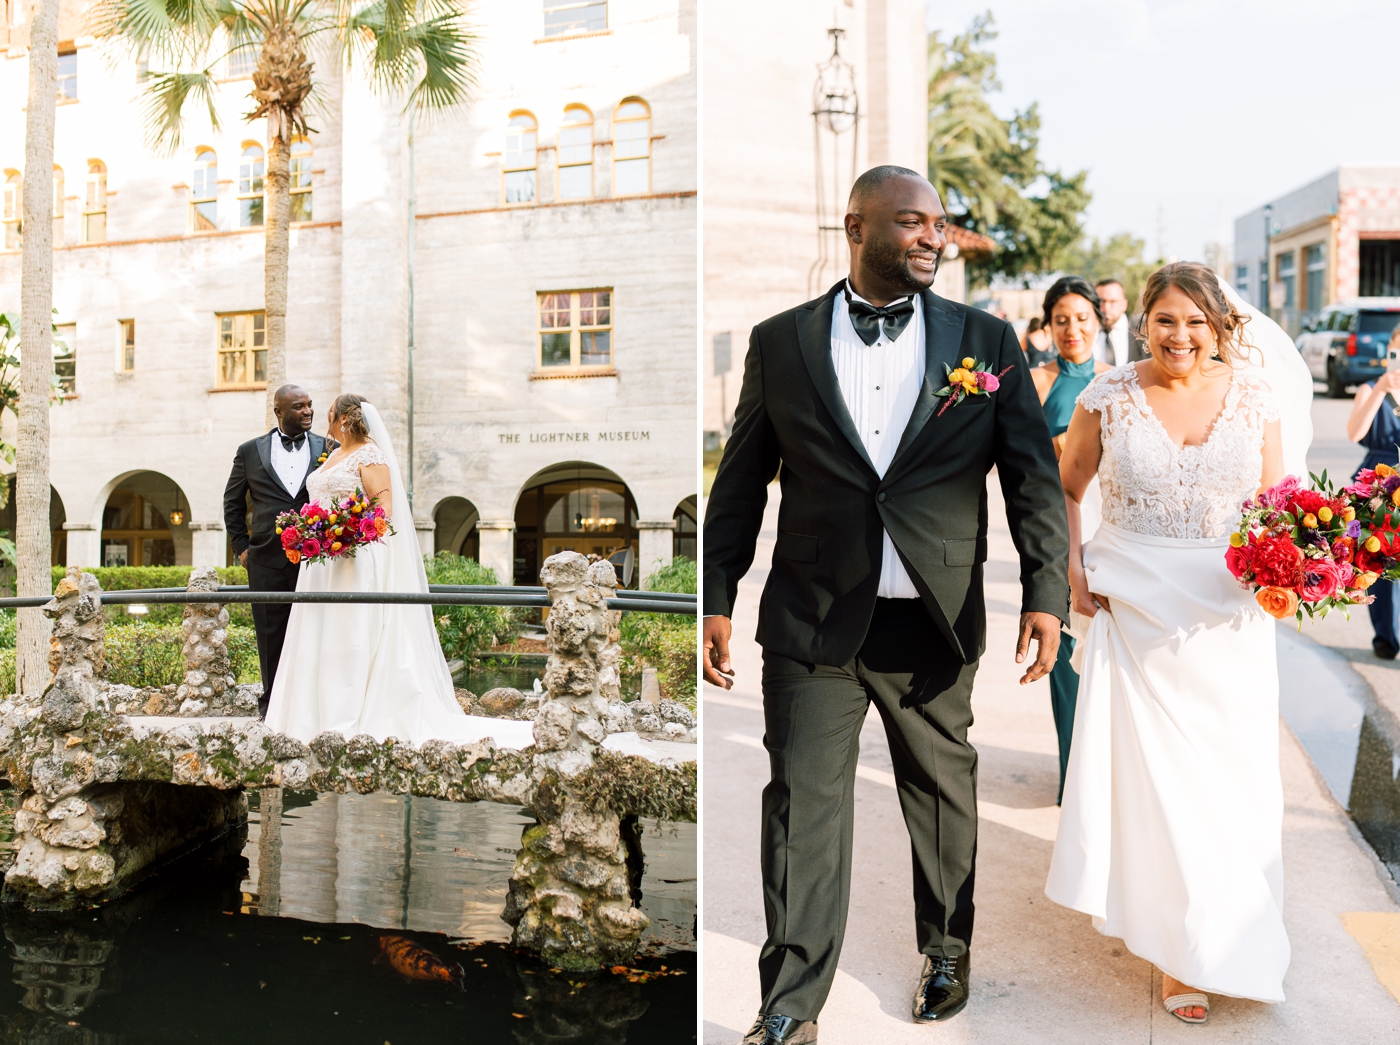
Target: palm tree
[422, 47]
[32, 535]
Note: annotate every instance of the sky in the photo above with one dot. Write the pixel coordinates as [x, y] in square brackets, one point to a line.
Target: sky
[1197, 110]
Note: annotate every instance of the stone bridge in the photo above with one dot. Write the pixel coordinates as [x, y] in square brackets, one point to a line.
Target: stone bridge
[108, 792]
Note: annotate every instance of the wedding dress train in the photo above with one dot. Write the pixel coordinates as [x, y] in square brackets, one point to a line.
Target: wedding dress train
[1170, 831]
[366, 667]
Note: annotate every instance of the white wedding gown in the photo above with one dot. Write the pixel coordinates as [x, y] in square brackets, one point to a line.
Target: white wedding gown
[370, 668]
[1171, 827]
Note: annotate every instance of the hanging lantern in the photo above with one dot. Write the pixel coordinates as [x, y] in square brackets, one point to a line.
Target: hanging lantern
[177, 517]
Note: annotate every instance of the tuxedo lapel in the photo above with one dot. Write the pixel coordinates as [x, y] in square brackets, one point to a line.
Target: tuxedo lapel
[315, 444]
[265, 454]
[942, 342]
[814, 338]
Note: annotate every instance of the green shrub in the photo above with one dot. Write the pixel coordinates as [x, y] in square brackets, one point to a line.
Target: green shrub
[8, 625]
[7, 672]
[130, 578]
[145, 654]
[463, 630]
[667, 642]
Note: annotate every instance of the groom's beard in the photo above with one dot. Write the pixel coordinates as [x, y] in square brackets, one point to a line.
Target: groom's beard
[892, 265]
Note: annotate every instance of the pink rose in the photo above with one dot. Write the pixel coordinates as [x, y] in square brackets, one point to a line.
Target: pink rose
[310, 548]
[368, 531]
[1321, 580]
[1237, 560]
[987, 381]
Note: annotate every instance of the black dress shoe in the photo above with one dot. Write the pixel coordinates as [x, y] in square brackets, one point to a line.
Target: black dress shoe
[943, 987]
[773, 1029]
[1383, 649]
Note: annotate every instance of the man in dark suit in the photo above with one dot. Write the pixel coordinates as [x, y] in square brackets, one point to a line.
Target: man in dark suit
[875, 591]
[272, 470]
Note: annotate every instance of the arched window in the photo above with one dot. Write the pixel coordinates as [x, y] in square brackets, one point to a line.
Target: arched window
[518, 159]
[57, 206]
[576, 154]
[250, 186]
[204, 191]
[632, 148]
[13, 211]
[95, 204]
[300, 182]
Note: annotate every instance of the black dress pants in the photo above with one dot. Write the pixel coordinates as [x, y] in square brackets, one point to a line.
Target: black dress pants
[270, 620]
[813, 715]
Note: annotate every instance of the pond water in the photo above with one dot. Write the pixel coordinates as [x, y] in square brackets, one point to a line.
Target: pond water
[277, 935]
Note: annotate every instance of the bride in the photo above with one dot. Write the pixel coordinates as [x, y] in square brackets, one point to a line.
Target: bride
[1171, 829]
[366, 667]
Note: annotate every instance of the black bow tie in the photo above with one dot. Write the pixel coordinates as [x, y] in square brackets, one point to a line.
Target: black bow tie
[867, 318]
[290, 443]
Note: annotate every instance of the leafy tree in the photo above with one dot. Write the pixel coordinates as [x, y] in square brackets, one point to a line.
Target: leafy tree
[463, 630]
[664, 641]
[988, 170]
[1118, 257]
[421, 47]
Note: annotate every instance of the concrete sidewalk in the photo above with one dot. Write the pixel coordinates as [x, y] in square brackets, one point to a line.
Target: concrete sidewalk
[1040, 972]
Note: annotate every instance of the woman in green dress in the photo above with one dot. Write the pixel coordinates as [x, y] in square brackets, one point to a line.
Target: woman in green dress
[1074, 318]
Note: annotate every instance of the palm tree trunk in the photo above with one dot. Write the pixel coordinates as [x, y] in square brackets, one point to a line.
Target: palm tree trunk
[32, 537]
[277, 252]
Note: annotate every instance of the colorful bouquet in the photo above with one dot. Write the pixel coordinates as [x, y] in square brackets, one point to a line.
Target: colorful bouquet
[316, 534]
[1314, 550]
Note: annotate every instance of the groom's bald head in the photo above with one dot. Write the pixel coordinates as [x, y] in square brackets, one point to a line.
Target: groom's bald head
[291, 405]
[895, 228]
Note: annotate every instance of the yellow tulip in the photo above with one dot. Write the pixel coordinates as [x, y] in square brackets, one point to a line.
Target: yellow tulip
[1324, 513]
[1310, 521]
[969, 362]
[1348, 514]
[1373, 544]
[1236, 540]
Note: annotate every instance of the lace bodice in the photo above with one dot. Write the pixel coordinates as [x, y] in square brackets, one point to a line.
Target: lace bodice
[335, 482]
[1152, 486]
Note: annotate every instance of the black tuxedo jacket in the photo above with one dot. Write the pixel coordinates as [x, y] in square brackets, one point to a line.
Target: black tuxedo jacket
[252, 474]
[792, 421]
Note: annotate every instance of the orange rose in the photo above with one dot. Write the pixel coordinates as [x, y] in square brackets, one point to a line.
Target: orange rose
[1278, 602]
[381, 526]
[293, 556]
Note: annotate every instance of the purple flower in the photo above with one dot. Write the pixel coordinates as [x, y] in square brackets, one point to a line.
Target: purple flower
[1391, 482]
[1354, 529]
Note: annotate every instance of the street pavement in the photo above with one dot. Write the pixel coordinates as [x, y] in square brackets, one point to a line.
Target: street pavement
[1040, 972]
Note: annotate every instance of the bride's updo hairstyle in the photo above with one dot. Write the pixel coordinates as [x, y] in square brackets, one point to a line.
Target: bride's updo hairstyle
[1200, 284]
[347, 408]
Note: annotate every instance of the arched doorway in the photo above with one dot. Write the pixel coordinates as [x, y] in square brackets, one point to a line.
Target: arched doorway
[146, 522]
[455, 529]
[685, 538]
[574, 506]
[58, 536]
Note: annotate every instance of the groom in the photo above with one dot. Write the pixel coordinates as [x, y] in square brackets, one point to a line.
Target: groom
[272, 470]
[875, 590]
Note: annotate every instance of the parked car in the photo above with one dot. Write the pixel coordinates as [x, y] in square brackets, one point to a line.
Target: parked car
[1345, 343]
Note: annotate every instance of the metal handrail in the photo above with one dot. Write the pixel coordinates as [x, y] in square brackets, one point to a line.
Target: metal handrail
[479, 595]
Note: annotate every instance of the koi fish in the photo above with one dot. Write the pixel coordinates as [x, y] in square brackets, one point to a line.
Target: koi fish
[419, 963]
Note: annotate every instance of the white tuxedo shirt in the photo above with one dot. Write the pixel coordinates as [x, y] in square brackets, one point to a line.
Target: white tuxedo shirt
[290, 465]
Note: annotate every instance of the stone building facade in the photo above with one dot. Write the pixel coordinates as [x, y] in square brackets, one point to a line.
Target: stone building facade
[551, 259]
[774, 172]
[1332, 239]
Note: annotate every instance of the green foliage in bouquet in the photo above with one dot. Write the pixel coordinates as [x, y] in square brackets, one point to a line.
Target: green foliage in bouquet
[667, 642]
[463, 630]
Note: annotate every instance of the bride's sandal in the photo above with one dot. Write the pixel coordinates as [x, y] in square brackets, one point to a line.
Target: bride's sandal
[1193, 1000]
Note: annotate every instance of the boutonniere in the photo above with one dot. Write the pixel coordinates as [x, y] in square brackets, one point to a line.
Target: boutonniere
[322, 459]
[970, 379]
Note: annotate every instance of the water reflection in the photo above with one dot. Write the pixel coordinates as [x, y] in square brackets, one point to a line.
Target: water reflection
[192, 954]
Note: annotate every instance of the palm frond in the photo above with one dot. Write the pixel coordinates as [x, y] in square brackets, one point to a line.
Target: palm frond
[164, 105]
[421, 46]
[172, 32]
